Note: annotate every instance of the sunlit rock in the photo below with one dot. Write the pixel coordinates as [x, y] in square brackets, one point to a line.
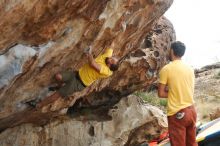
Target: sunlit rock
[53, 35]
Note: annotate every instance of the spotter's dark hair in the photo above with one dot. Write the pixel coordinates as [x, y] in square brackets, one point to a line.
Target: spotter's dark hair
[178, 48]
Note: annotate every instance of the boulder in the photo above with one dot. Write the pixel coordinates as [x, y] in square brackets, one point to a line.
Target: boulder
[70, 132]
[42, 37]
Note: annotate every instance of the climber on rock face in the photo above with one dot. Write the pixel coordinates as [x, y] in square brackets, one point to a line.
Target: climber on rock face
[73, 81]
[179, 78]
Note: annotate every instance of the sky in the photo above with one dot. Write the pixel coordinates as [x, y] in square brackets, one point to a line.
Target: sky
[197, 24]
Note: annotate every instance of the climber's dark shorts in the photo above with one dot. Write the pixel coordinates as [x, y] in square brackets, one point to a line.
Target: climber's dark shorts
[72, 82]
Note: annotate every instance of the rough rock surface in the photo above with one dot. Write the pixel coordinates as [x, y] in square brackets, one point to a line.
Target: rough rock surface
[56, 32]
[70, 132]
[42, 37]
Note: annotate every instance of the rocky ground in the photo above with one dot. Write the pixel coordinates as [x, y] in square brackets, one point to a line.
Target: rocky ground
[207, 92]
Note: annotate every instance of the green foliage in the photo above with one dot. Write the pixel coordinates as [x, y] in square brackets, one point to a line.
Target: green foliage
[152, 99]
[163, 102]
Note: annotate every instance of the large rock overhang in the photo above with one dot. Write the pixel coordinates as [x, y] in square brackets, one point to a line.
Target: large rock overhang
[53, 35]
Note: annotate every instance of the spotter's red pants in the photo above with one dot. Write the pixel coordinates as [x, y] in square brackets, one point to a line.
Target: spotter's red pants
[182, 132]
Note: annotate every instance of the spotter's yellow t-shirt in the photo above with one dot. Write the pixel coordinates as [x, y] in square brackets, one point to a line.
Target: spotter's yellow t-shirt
[88, 74]
[179, 78]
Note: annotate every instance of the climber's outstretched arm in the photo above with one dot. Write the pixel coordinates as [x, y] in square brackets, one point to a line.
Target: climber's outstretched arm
[92, 62]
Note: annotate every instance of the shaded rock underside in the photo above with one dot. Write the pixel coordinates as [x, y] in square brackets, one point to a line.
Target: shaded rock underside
[147, 123]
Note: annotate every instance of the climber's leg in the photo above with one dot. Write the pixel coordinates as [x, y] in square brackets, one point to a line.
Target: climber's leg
[48, 100]
[61, 79]
[73, 85]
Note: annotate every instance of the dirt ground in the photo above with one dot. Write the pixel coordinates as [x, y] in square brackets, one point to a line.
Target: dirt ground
[207, 94]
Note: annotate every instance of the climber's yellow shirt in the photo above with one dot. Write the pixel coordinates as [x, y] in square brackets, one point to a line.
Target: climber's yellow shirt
[88, 75]
[179, 78]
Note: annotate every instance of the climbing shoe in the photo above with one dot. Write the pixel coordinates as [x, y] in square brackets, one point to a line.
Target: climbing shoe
[32, 103]
[55, 88]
